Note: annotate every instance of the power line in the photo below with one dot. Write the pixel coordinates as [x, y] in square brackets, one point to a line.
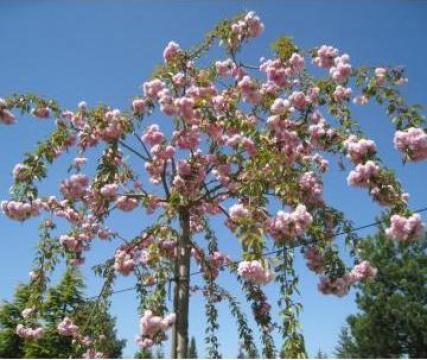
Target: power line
[269, 253]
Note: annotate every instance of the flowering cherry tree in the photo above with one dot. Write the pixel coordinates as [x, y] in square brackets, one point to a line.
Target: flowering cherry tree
[243, 142]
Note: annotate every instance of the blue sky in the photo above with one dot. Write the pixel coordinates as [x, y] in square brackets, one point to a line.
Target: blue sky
[102, 50]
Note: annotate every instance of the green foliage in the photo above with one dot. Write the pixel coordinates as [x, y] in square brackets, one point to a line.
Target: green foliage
[321, 355]
[392, 318]
[150, 354]
[293, 345]
[11, 346]
[192, 350]
[212, 326]
[284, 47]
[65, 299]
[144, 354]
[240, 354]
[245, 332]
[346, 347]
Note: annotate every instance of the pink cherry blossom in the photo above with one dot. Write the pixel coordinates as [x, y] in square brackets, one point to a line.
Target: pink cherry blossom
[249, 89]
[238, 212]
[363, 271]
[79, 161]
[326, 56]
[341, 93]
[299, 100]
[171, 50]
[151, 325]
[341, 70]
[29, 333]
[21, 211]
[412, 142]
[138, 105]
[253, 271]
[75, 187]
[359, 149]
[248, 27]
[315, 260]
[153, 87]
[380, 74]
[115, 125]
[27, 312]
[277, 73]
[311, 187]
[124, 262]
[6, 116]
[339, 287]
[67, 327]
[297, 62]
[405, 229]
[187, 138]
[92, 354]
[21, 172]
[280, 106]
[109, 191]
[290, 225]
[42, 112]
[225, 68]
[363, 175]
[126, 203]
[153, 135]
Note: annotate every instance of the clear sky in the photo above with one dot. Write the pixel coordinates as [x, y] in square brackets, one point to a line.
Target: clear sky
[102, 50]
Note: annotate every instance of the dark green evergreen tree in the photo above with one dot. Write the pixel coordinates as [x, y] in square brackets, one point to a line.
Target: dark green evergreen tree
[192, 350]
[321, 355]
[392, 317]
[64, 299]
[240, 354]
[153, 353]
[144, 354]
[11, 345]
[346, 348]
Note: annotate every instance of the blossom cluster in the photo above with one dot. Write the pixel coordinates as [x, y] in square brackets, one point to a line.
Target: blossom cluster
[18, 210]
[152, 326]
[253, 271]
[115, 125]
[75, 187]
[359, 150]
[212, 264]
[290, 225]
[171, 51]
[405, 228]
[29, 333]
[364, 174]
[325, 56]
[315, 260]
[21, 172]
[238, 212]
[341, 286]
[126, 203]
[412, 142]
[67, 327]
[311, 187]
[248, 27]
[6, 116]
[124, 262]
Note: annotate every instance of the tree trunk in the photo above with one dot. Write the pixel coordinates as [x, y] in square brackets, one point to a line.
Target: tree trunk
[182, 290]
[174, 345]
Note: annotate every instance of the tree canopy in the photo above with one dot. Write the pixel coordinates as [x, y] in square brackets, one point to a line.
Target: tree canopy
[392, 317]
[246, 143]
